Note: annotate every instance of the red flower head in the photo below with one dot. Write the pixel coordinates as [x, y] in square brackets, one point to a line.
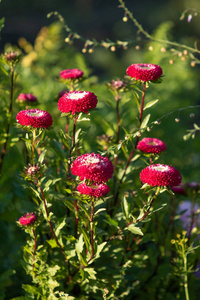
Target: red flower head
[144, 72]
[71, 74]
[151, 145]
[160, 175]
[78, 101]
[95, 190]
[26, 98]
[34, 117]
[92, 166]
[28, 219]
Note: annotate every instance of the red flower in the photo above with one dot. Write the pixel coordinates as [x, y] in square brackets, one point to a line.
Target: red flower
[78, 101]
[95, 190]
[151, 145]
[160, 175]
[92, 166]
[34, 117]
[144, 72]
[26, 98]
[28, 219]
[71, 74]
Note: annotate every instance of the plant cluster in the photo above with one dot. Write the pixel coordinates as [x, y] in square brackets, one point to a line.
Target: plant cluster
[102, 217]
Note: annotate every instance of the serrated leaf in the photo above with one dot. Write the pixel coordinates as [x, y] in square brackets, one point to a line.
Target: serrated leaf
[145, 121]
[91, 273]
[135, 230]
[99, 249]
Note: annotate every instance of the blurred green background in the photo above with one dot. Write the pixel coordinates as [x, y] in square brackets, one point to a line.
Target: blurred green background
[46, 54]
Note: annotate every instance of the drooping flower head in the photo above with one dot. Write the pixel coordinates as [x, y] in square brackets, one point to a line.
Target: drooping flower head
[93, 167]
[95, 190]
[36, 118]
[179, 189]
[63, 92]
[71, 74]
[78, 101]
[160, 175]
[144, 72]
[28, 219]
[151, 145]
[26, 98]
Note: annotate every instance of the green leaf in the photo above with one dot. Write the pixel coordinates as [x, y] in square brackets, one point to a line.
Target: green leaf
[58, 150]
[196, 126]
[31, 289]
[150, 103]
[111, 221]
[99, 210]
[52, 243]
[125, 207]
[187, 136]
[145, 122]
[86, 239]
[42, 155]
[62, 223]
[79, 249]
[99, 249]
[91, 273]
[134, 229]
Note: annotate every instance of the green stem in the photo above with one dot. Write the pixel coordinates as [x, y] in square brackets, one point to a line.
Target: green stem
[35, 245]
[51, 227]
[185, 278]
[135, 145]
[92, 228]
[148, 36]
[33, 147]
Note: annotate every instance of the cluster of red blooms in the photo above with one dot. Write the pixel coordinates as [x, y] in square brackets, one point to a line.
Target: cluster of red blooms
[95, 168]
